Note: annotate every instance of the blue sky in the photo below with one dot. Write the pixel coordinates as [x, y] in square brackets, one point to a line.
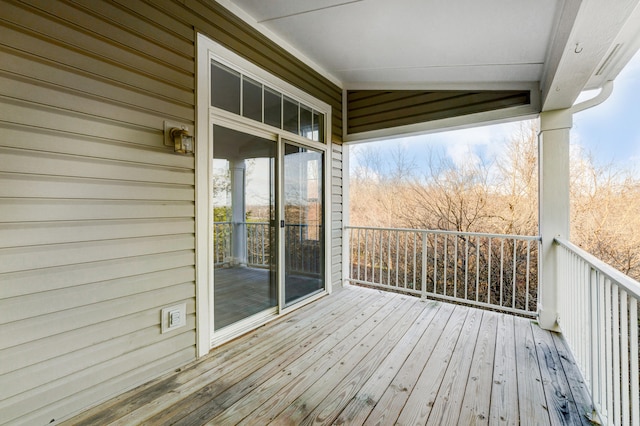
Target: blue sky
[609, 131]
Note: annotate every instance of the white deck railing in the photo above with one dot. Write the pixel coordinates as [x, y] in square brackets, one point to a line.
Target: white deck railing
[599, 320]
[489, 270]
[222, 242]
[301, 239]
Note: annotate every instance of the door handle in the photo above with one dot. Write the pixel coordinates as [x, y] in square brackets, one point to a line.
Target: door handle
[282, 224]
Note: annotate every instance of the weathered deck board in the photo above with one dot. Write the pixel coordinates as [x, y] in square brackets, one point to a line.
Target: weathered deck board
[475, 404]
[362, 356]
[504, 392]
[531, 399]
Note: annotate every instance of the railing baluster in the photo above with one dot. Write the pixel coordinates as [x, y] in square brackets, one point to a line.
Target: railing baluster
[526, 306]
[406, 242]
[366, 267]
[455, 267]
[477, 269]
[489, 275]
[624, 357]
[501, 270]
[513, 281]
[615, 334]
[635, 371]
[423, 284]
[444, 264]
[435, 263]
[389, 258]
[415, 260]
[608, 346]
[397, 256]
[359, 250]
[466, 267]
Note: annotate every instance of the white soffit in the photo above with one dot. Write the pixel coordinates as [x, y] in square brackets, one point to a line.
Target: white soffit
[411, 42]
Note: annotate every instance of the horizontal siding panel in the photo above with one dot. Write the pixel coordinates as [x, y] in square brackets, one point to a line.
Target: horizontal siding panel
[40, 163]
[21, 356]
[39, 210]
[336, 208]
[25, 258]
[57, 369]
[39, 116]
[110, 388]
[144, 21]
[147, 11]
[30, 234]
[61, 79]
[30, 186]
[47, 302]
[75, 62]
[71, 35]
[336, 244]
[382, 102]
[32, 281]
[84, 379]
[67, 100]
[89, 148]
[86, 316]
[112, 32]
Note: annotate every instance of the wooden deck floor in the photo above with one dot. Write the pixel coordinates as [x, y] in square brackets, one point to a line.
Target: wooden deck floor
[363, 356]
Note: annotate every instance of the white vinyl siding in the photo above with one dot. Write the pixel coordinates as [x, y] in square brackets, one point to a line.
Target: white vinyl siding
[336, 215]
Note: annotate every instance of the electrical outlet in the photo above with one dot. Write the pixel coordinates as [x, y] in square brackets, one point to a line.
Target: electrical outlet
[173, 317]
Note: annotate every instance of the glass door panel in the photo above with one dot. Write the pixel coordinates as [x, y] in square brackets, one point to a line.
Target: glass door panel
[245, 249]
[303, 222]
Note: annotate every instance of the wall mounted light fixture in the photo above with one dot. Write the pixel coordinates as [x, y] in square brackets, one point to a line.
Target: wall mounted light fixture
[179, 137]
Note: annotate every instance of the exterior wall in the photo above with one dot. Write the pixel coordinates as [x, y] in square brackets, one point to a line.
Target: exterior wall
[96, 214]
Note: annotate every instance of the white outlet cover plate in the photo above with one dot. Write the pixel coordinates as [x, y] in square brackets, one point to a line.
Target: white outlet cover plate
[165, 316]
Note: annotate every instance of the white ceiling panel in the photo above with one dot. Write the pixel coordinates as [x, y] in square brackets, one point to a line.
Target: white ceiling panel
[450, 41]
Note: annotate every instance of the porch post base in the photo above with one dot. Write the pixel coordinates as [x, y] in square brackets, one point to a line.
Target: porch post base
[548, 319]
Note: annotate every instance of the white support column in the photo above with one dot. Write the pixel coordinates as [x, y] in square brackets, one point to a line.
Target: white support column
[555, 128]
[238, 212]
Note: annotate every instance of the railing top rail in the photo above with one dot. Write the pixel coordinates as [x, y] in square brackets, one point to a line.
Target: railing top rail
[630, 285]
[442, 232]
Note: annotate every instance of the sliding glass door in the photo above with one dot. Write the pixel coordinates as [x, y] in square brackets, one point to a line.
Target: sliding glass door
[268, 238]
[303, 222]
[244, 240]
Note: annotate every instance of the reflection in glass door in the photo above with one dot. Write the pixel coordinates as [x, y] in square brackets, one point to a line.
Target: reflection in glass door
[303, 222]
[245, 250]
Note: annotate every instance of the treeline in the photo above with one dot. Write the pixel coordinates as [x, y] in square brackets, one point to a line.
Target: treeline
[499, 197]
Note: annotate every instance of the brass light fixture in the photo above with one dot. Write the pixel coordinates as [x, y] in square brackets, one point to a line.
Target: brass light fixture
[179, 137]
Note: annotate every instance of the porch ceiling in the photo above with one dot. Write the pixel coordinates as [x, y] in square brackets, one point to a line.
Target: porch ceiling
[466, 44]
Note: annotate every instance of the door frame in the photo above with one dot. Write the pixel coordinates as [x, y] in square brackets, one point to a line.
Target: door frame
[206, 115]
